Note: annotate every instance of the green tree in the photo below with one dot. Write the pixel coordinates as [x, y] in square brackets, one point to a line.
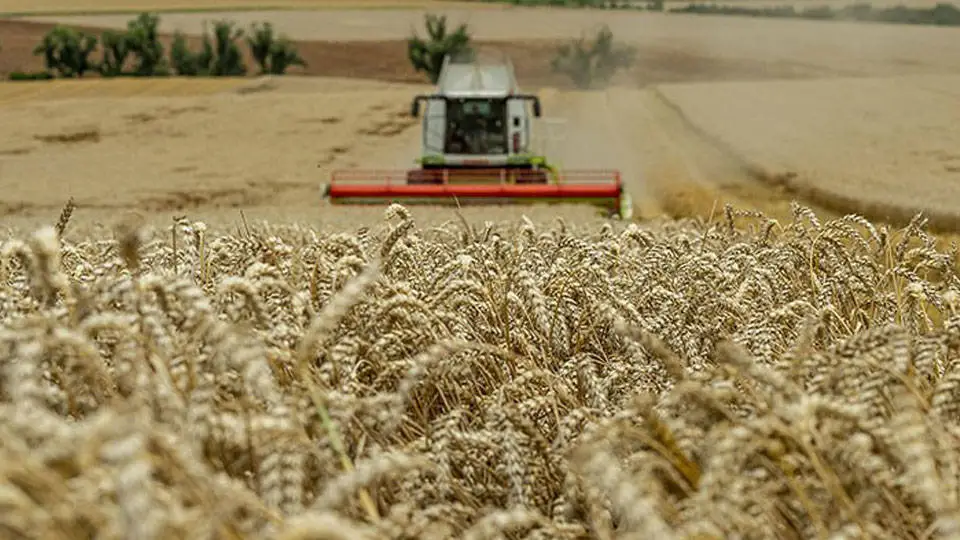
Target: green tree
[273, 54]
[186, 62]
[219, 56]
[143, 41]
[427, 55]
[116, 49]
[226, 59]
[67, 51]
[589, 63]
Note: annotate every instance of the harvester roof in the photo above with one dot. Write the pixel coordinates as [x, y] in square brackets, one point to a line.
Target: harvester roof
[477, 79]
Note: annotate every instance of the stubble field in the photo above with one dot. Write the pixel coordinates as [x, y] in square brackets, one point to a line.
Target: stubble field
[172, 368]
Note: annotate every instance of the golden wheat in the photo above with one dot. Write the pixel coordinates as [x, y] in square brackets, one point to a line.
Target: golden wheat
[845, 145]
[21, 92]
[741, 378]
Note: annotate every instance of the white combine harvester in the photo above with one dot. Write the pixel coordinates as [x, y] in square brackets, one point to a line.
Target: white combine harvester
[478, 119]
[477, 134]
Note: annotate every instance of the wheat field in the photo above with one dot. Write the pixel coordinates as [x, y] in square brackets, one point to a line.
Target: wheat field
[883, 147]
[525, 379]
[13, 93]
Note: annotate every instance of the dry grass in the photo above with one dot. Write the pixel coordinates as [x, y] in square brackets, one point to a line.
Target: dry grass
[270, 143]
[216, 151]
[746, 378]
[12, 93]
[267, 152]
[885, 148]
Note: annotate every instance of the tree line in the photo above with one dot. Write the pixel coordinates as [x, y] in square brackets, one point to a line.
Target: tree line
[586, 62]
[138, 52]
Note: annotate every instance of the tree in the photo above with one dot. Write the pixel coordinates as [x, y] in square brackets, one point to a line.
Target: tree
[67, 51]
[226, 59]
[116, 49]
[427, 55]
[219, 57]
[143, 41]
[273, 54]
[186, 62]
[597, 62]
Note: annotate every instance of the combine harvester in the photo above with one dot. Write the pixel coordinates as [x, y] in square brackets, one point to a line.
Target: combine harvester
[476, 148]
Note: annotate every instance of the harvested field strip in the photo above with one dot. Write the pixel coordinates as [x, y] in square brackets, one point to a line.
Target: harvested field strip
[20, 92]
[885, 148]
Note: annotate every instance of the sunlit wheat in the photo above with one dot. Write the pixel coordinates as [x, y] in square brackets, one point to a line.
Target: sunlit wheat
[735, 379]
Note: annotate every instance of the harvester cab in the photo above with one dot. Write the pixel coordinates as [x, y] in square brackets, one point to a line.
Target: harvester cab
[477, 119]
[476, 146]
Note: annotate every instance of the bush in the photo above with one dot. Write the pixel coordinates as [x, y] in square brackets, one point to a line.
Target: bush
[30, 76]
[219, 57]
[143, 41]
[225, 57]
[427, 55]
[67, 51]
[587, 65]
[945, 15]
[273, 54]
[116, 49]
[188, 63]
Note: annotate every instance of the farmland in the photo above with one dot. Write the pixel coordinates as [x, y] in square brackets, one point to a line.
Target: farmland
[196, 345]
[885, 147]
[102, 89]
[670, 166]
